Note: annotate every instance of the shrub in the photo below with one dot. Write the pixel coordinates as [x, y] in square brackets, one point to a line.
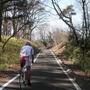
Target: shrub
[75, 55]
[11, 55]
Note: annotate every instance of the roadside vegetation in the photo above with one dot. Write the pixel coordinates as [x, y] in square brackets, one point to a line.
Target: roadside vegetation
[78, 56]
[74, 54]
[78, 45]
[10, 57]
[19, 18]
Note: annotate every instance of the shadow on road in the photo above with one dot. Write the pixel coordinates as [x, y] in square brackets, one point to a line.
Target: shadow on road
[40, 86]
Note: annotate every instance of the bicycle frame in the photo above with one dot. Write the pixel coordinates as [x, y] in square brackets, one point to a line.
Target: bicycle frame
[22, 78]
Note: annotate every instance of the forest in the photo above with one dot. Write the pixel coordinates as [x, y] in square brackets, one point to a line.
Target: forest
[19, 18]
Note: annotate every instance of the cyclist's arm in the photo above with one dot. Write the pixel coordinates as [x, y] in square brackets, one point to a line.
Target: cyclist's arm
[32, 55]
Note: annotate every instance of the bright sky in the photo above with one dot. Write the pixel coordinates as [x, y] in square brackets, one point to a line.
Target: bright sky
[54, 20]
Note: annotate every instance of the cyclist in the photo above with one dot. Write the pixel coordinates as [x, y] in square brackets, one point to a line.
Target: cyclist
[26, 58]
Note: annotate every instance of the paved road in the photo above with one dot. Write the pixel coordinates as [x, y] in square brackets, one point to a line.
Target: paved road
[46, 75]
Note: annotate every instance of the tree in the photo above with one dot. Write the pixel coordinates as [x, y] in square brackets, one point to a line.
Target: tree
[23, 16]
[85, 22]
[59, 36]
[66, 16]
[85, 35]
[1, 11]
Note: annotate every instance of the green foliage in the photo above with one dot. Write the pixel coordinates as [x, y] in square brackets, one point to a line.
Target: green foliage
[10, 56]
[75, 55]
[69, 50]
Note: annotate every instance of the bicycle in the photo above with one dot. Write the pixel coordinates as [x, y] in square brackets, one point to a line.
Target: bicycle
[22, 79]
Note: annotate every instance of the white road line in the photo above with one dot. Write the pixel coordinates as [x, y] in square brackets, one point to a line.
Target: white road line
[70, 78]
[4, 85]
[36, 57]
[7, 83]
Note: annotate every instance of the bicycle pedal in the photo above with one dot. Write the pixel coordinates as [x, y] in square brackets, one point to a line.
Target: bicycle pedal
[25, 82]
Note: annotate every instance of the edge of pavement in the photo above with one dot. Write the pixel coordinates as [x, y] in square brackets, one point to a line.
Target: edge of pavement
[77, 78]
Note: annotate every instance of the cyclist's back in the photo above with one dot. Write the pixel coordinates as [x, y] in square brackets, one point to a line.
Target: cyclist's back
[26, 50]
[26, 58]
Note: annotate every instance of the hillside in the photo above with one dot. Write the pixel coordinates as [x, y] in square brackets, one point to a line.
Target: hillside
[77, 72]
[9, 58]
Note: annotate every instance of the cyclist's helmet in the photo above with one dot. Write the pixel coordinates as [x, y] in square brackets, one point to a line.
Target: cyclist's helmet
[27, 43]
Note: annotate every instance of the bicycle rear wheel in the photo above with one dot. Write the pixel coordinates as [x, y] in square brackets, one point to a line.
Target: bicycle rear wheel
[22, 81]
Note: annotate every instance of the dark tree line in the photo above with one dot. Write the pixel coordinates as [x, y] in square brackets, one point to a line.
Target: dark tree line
[18, 18]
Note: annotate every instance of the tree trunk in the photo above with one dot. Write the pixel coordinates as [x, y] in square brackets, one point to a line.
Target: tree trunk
[0, 20]
[85, 22]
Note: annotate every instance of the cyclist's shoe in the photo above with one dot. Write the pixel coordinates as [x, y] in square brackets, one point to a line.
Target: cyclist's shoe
[29, 83]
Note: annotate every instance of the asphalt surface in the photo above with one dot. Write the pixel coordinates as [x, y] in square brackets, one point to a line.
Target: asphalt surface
[46, 75]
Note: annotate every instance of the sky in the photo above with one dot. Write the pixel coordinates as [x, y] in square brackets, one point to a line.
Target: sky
[54, 20]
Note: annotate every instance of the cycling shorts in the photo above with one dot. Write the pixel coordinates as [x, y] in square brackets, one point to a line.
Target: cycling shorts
[25, 60]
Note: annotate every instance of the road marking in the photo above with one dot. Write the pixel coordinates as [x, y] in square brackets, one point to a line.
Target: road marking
[36, 57]
[7, 83]
[4, 85]
[70, 78]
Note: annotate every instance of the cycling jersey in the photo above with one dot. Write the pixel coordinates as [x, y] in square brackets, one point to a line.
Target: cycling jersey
[26, 54]
[26, 51]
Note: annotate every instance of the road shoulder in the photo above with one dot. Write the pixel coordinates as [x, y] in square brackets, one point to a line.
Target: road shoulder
[79, 76]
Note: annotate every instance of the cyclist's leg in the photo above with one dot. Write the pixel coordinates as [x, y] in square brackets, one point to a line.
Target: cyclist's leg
[21, 79]
[28, 73]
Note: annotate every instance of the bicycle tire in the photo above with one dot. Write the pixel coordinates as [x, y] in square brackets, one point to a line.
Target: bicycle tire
[22, 81]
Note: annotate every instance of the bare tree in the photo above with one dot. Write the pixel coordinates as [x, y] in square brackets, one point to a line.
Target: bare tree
[23, 16]
[1, 11]
[59, 36]
[66, 16]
